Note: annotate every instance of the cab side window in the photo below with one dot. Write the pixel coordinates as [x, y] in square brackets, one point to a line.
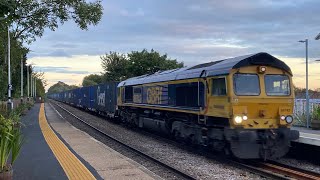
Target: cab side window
[128, 94]
[137, 94]
[219, 87]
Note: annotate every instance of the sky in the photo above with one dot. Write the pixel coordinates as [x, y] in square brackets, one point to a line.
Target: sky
[190, 31]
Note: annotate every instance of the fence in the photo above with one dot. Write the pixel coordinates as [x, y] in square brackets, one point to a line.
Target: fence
[300, 109]
[16, 103]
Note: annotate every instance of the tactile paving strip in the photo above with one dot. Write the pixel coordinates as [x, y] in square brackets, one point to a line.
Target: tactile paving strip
[71, 165]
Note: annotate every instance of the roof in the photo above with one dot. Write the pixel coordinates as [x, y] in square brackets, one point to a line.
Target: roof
[214, 68]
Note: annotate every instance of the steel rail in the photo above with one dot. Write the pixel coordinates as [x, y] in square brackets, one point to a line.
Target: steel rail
[289, 171]
[178, 172]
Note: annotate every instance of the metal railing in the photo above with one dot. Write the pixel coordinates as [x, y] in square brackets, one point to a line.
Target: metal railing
[300, 110]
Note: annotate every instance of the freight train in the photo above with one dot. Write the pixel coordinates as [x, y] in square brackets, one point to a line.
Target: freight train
[241, 105]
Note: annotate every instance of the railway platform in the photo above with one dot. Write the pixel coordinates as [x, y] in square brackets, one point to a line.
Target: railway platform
[54, 149]
[308, 136]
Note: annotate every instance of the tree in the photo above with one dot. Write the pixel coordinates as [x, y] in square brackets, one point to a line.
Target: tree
[60, 87]
[118, 67]
[92, 79]
[41, 82]
[29, 18]
[145, 62]
[18, 52]
[6, 7]
[115, 66]
[40, 88]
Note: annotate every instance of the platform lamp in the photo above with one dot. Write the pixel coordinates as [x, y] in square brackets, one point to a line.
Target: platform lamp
[307, 88]
[318, 59]
[9, 102]
[317, 37]
[21, 78]
[28, 83]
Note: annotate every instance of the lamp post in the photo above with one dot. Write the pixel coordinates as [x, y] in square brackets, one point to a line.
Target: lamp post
[34, 79]
[10, 104]
[21, 79]
[31, 85]
[307, 88]
[35, 88]
[28, 83]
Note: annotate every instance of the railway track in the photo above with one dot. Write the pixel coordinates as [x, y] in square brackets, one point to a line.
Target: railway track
[136, 151]
[270, 169]
[275, 170]
[287, 171]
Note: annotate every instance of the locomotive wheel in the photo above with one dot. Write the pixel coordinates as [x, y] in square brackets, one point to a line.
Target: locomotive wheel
[177, 136]
[227, 151]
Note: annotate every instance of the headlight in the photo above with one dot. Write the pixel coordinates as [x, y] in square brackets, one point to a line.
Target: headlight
[289, 119]
[245, 117]
[282, 117]
[238, 119]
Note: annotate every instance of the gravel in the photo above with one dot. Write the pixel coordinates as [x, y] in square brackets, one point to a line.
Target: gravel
[197, 165]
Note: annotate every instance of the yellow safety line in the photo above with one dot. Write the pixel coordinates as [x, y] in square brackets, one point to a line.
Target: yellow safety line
[71, 165]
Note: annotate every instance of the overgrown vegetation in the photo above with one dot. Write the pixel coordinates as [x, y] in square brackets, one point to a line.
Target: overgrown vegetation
[315, 113]
[92, 79]
[299, 119]
[60, 86]
[27, 21]
[118, 67]
[18, 52]
[11, 139]
[29, 18]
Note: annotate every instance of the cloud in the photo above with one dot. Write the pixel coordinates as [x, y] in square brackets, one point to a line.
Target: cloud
[63, 70]
[137, 13]
[191, 31]
[58, 53]
[299, 72]
[67, 81]
[70, 70]
[64, 45]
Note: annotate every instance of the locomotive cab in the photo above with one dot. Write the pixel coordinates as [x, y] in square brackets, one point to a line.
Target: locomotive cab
[262, 101]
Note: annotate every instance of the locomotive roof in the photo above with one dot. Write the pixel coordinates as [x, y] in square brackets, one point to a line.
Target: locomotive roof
[214, 68]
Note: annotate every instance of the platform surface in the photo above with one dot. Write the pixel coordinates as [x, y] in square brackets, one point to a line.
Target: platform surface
[54, 149]
[108, 163]
[308, 136]
[36, 160]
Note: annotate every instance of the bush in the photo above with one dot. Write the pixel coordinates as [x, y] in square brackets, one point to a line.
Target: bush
[3, 108]
[299, 119]
[11, 138]
[315, 113]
